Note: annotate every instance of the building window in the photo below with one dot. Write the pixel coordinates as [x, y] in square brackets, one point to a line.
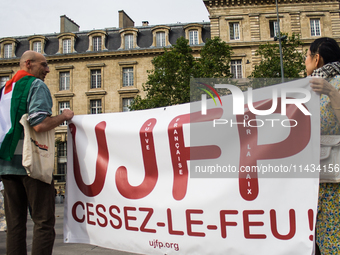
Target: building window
[126, 103]
[37, 43]
[61, 172]
[96, 106]
[62, 164]
[193, 32]
[160, 39]
[193, 37]
[236, 68]
[274, 28]
[128, 41]
[64, 82]
[234, 29]
[96, 79]
[128, 38]
[8, 50]
[97, 43]
[97, 40]
[3, 80]
[160, 36]
[315, 27]
[66, 43]
[66, 46]
[62, 106]
[127, 76]
[62, 149]
[37, 47]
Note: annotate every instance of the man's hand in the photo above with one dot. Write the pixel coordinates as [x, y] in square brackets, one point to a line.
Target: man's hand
[52, 122]
[68, 114]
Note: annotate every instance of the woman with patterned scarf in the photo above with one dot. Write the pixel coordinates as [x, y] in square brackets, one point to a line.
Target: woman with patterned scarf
[322, 60]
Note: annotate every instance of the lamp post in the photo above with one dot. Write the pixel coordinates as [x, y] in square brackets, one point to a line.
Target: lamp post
[280, 46]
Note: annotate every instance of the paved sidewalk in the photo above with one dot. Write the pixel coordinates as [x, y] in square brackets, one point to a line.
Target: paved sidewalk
[61, 248]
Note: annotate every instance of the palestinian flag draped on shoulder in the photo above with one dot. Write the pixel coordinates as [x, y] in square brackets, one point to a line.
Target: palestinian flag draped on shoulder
[13, 104]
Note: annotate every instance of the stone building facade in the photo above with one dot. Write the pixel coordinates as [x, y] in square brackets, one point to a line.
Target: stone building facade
[245, 24]
[101, 71]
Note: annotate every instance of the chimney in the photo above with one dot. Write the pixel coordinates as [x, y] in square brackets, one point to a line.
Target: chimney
[145, 23]
[124, 20]
[67, 25]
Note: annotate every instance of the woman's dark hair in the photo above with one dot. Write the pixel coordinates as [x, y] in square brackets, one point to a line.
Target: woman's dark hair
[328, 49]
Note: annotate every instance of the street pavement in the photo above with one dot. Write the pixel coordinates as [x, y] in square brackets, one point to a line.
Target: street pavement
[61, 248]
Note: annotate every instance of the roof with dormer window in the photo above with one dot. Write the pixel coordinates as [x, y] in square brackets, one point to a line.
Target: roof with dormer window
[112, 40]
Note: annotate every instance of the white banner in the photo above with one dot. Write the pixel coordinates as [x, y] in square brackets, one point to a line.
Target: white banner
[132, 185]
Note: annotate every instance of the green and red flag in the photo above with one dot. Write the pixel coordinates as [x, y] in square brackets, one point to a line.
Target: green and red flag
[13, 104]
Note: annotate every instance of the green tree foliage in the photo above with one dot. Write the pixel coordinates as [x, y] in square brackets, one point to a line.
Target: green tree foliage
[215, 60]
[293, 61]
[169, 82]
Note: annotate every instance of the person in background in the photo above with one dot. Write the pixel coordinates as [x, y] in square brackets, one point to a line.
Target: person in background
[60, 192]
[2, 208]
[29, 90]
[322, 61]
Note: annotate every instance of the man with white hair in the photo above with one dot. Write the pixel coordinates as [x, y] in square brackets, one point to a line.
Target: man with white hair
[26, 92]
